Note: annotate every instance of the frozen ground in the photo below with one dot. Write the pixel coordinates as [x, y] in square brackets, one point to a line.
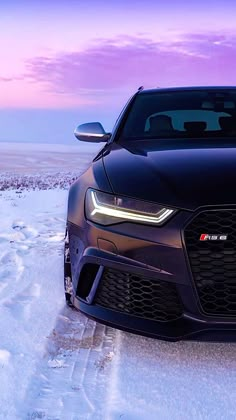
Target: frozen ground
[42, 166]
[55, 364]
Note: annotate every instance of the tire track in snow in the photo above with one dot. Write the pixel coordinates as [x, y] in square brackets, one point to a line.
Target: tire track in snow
[72, 381]
[113, 392]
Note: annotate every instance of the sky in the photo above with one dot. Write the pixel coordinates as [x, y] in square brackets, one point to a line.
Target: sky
[65, 62]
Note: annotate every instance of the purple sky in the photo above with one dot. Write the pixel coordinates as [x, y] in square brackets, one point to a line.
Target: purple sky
[88, 57]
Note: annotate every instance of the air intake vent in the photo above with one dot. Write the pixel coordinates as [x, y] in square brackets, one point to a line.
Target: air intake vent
[139, 296]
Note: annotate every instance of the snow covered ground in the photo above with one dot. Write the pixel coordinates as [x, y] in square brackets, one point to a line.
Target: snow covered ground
[43, 166]
[55, 364]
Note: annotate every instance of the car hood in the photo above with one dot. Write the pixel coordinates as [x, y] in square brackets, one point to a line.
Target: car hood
[178, 174]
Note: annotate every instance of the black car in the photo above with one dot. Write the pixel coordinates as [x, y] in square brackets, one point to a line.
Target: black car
[151, 230]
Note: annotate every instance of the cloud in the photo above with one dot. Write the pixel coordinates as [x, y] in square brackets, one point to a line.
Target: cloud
[7, 79]
[10, 79]
[115, 65]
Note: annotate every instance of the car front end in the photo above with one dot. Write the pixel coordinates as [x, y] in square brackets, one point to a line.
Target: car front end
[152, 238]
[158, 281]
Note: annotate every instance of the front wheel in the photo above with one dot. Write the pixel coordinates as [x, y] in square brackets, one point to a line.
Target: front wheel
[67, 272]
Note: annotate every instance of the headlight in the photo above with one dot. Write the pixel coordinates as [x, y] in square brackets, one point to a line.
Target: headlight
[107, 209]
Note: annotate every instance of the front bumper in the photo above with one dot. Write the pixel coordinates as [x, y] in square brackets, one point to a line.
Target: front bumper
[185, 328]
[154, 253]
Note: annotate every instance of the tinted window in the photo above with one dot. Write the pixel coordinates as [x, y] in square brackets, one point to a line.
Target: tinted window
[186, 114]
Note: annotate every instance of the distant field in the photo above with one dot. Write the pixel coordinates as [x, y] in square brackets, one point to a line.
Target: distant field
[40, 158]
[43, 166]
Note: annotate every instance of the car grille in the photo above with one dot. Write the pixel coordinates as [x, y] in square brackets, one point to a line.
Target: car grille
[213, 263]
[138, 295]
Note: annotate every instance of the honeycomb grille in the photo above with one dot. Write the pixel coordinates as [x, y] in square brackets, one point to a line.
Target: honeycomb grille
[139, 296]
[213, 263]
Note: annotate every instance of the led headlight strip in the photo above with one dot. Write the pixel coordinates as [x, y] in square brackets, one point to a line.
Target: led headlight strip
[97, 208]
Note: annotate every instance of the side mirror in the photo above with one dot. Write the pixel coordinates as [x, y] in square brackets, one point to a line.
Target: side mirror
[92, 132]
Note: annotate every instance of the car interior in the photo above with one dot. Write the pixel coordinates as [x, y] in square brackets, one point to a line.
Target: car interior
[160, 117]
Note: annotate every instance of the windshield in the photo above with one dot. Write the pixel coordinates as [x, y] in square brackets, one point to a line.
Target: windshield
[182, 114]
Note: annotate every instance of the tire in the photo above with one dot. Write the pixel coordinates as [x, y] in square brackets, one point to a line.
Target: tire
[67, 273]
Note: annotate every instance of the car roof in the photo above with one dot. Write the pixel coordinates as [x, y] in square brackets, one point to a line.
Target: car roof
[185, 88]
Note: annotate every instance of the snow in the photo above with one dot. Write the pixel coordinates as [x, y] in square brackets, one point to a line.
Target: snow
[43, 166]
[57, 364]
